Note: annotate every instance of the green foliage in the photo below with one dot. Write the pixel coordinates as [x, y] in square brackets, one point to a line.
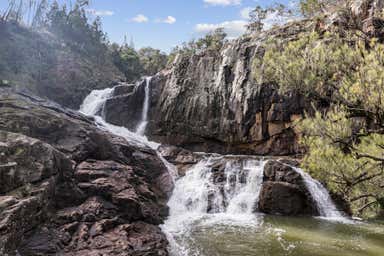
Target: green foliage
[338, 162]
[152, 60]
[75, 32]
[310, 8]
[212, 42]
[365, 86]
[346, 141]
[135, 64]
[128, 61]
[259, 14]
[311, 65]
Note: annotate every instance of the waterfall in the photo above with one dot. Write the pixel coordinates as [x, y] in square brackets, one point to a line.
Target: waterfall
[246, 197]
[234, 191]
[144, 116]
[93, 106]
[321, 196]
[225, 196]
[210, 195]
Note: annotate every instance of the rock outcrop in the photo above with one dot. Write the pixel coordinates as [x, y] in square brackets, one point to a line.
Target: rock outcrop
[210, 102]
[69, 188]
[283, 191]
[124, 108]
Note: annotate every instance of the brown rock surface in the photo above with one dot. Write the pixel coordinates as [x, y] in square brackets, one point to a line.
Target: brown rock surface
[69, 188]
[283, 191]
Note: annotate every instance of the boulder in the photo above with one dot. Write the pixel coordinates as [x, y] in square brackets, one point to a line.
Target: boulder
[283, 198]
[125, 108]
[283, 191]
[124, 188]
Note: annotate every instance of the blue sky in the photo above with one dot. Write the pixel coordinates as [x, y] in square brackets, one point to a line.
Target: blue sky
[164, 24]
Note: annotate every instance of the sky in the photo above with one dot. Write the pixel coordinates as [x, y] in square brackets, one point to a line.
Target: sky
[164, 24]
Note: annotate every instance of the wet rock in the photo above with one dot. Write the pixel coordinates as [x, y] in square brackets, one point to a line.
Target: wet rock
[283, 191]
[24, 160]
[282, 172]
[123, 89]
[183, 159]
[125, 109]
[282, 198]
[29, 173]
[123, 187]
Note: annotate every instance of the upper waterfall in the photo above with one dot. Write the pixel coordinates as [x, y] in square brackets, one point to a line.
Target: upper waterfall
[93, 105]
[144, 117]
[94, 102]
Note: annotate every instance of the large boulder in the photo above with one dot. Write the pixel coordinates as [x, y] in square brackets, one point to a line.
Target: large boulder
[125, 107]
[283, 191]
[70, 188]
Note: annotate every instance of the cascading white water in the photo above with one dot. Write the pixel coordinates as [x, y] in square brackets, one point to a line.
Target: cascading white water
[321, 196]
[93, 105]
[247, 196]
[94, 102]
[230, 199]
[144, 116]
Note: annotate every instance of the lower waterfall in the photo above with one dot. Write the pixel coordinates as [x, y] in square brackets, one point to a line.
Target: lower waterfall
[206, 199]
[210, 199]
[321, 196]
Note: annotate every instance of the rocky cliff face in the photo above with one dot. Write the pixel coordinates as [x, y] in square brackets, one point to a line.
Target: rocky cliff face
[211, 102]
[69, 188]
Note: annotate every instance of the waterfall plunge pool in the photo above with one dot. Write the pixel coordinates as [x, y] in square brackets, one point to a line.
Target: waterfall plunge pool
[266, 235]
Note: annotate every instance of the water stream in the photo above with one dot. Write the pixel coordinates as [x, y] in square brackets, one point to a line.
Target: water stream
[214, 212]
[144, 116]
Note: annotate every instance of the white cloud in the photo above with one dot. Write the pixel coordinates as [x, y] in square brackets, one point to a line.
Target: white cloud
[223, 2]
[140, 18]
[100, 12]
[169, 20]
[245, 12]
[233, 28]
